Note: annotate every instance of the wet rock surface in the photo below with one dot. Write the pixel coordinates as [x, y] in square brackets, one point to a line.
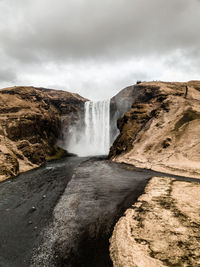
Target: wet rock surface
[119, 105]
[30, 124]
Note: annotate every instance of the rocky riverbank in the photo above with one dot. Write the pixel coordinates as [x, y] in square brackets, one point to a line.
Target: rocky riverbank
[30, 125]
[161, 132]
[161, 229]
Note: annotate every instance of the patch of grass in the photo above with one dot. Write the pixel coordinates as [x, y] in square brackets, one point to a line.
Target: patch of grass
[59, 153]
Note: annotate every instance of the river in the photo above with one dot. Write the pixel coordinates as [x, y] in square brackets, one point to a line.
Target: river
[63, 214]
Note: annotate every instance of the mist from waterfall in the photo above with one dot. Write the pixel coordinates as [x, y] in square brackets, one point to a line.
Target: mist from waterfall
[94, 136]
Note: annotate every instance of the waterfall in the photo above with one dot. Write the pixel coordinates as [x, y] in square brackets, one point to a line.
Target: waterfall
[94, 138]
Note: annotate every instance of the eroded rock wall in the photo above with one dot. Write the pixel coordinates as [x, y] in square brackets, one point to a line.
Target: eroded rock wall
[161, 130]
[30, 124]
[119, 105]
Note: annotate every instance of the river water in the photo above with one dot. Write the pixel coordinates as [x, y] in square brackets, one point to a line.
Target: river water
[63, 214]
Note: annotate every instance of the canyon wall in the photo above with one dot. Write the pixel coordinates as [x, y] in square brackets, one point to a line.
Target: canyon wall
[30, 125]
[161, 130]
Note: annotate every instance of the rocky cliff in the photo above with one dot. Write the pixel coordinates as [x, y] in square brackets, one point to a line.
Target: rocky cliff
[161, 130]
[30, 124]
[119, 105]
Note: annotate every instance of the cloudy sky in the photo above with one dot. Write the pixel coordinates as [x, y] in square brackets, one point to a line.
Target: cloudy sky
[96, 48]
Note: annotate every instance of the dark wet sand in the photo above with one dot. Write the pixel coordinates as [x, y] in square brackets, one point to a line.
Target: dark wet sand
[20, 226]
[77, 232]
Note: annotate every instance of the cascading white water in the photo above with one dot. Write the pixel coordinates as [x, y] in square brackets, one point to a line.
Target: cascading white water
[94, 138]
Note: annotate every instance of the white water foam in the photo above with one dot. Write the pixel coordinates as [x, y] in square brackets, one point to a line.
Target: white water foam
[94, 138]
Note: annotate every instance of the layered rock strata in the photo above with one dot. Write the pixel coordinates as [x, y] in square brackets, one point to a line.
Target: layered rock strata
[30, 124]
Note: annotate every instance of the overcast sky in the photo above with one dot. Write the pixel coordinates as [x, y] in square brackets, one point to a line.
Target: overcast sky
[97, 47]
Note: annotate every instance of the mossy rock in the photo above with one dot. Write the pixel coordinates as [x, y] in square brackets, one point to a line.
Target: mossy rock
[58, 153]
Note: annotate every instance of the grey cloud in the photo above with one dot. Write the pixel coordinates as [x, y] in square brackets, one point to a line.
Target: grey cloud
[68, 30]
[7, 75]
[185, 60]
[88, 45]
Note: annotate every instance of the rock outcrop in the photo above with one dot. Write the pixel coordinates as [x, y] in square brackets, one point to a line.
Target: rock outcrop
[161, 130]
[30, 124]
[119, 105]
[161, 229]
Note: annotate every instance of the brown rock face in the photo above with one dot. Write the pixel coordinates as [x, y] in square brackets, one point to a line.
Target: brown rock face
[161, 228]
[161, 130]
[120, 104]
[30, 124]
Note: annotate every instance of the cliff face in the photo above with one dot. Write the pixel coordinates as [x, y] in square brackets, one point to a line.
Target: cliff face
[30, 124]
[120, 104]
[161, 130]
